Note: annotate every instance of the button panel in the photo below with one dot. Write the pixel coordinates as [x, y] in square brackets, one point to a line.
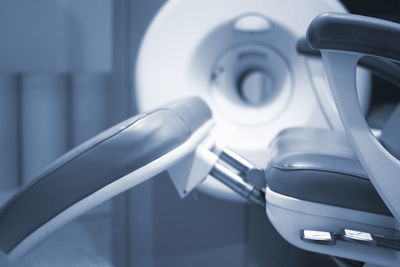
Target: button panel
[352, 236]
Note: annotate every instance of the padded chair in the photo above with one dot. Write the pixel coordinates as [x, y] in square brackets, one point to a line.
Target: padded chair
[316, 182]
[338, 193]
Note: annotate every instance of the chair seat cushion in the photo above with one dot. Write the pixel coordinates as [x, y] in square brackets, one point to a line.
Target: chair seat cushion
[320, 166]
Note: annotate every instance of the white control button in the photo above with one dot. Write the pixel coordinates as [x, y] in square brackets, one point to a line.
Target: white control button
[358, 236]
[316, 235]
[319, 237]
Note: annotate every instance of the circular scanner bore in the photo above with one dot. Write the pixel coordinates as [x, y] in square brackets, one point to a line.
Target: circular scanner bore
[255, 87]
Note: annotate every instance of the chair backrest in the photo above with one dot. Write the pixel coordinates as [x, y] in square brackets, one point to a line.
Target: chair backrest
[343, 39]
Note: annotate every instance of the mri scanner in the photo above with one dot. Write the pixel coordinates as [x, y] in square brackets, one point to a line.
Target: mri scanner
[256, 105]
[241, 58]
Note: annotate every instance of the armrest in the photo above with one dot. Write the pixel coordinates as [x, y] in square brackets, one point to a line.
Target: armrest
[353, 33]
[343, 40]
[385, 69]
[104, 166]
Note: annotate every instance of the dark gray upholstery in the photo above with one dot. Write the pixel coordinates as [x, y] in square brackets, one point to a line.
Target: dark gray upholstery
[98, 162]
[354, 33]
[319, 166]
[385, 69]
[391, 133]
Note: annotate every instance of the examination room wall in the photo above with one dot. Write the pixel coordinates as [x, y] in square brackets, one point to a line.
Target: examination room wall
[55, 92]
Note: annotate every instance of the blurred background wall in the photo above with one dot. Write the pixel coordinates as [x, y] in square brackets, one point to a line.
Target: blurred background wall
[67, 73]
[56, 91]
[56, 59]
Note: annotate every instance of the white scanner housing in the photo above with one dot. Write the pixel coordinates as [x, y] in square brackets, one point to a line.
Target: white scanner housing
[241, 58]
